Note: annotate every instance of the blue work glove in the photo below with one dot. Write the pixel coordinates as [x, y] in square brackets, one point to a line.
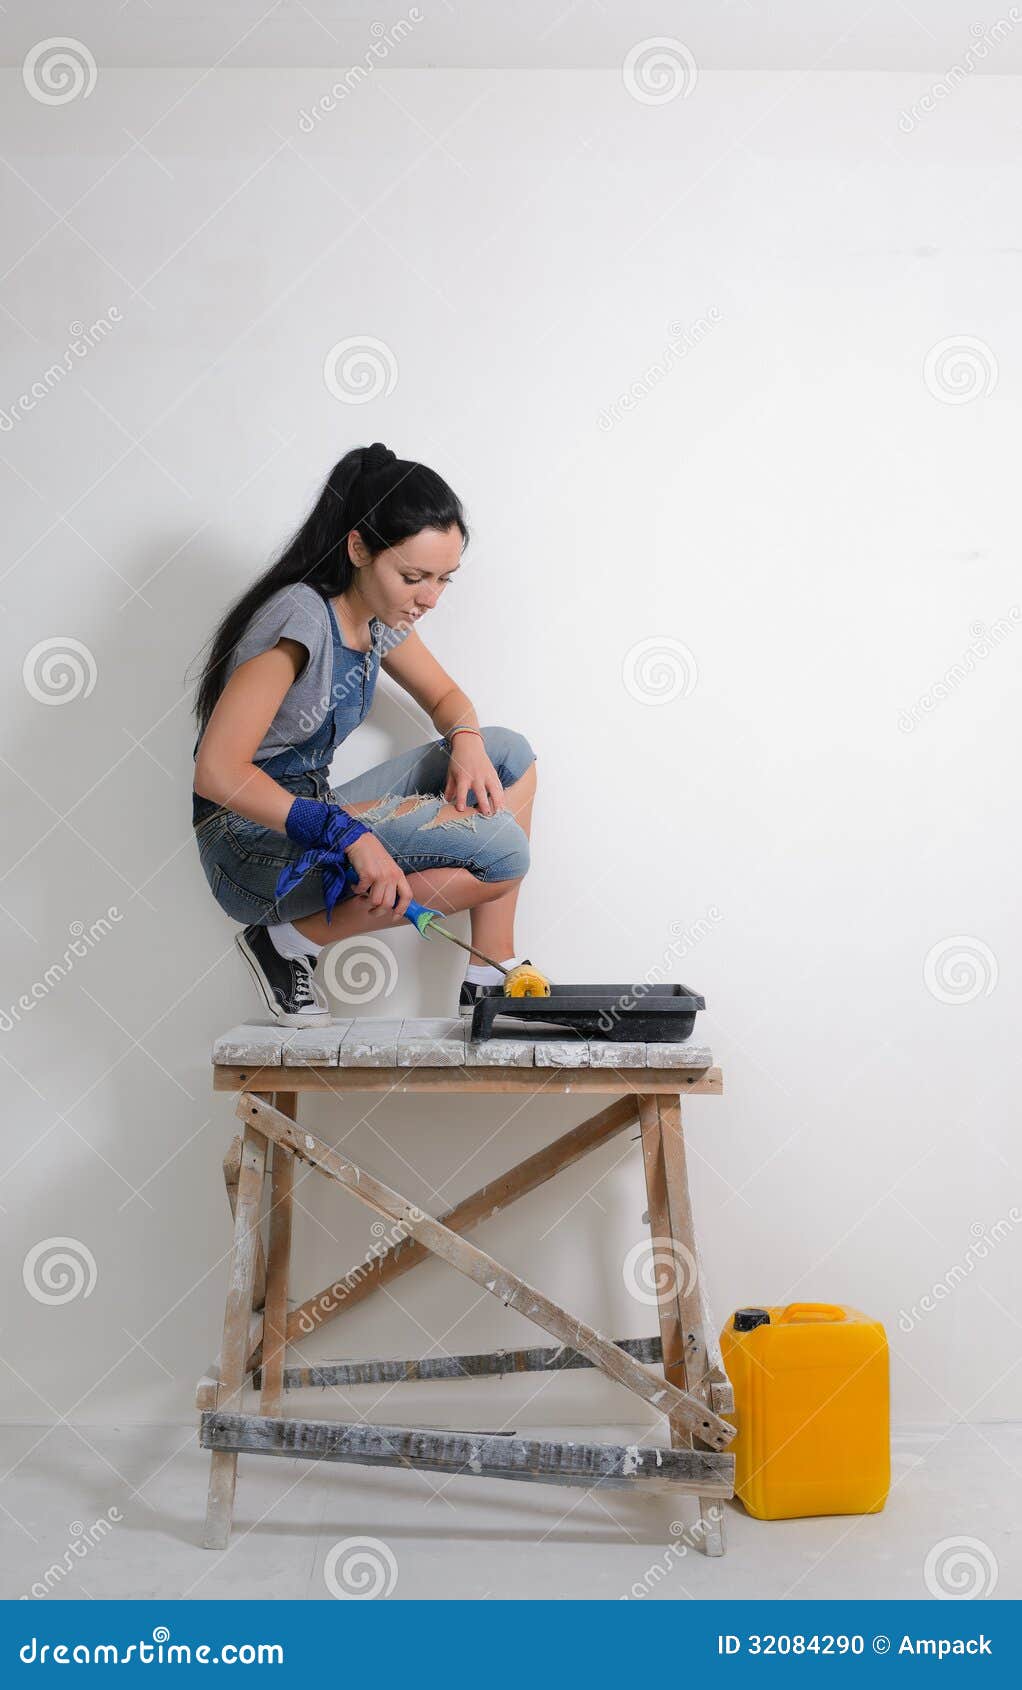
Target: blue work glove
[328, 831]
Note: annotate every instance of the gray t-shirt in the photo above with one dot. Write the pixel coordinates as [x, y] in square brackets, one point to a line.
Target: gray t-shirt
[298, 612]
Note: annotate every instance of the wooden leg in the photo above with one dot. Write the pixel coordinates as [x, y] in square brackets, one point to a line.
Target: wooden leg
[232, 1166]
[234, 1347]
[682, 1305]
[477, 1265]
[277, 1266]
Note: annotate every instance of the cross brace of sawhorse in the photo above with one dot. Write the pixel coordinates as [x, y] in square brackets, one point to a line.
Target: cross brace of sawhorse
[693, 1392]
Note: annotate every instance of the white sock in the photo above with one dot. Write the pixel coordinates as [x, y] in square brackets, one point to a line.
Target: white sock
[481, 974]
[289, 942]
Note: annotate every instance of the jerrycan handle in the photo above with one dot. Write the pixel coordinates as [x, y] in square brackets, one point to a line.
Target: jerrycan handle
[810, 1311]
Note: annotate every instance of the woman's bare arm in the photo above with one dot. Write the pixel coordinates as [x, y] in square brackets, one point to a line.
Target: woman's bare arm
[224, 770]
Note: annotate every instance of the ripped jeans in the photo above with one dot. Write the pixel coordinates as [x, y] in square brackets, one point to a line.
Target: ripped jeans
[242, 860]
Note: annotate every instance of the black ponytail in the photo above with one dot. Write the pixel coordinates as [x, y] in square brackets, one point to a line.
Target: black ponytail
[386, 498]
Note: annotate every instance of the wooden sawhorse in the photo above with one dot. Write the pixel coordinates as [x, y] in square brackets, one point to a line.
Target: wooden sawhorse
[267, 1067]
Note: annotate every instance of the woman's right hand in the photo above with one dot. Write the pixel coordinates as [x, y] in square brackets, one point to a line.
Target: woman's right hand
[379, 877]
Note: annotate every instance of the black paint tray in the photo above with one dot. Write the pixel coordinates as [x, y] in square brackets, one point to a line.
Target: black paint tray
[663, 1013]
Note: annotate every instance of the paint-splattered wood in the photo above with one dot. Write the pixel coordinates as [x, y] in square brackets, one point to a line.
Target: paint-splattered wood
[439, 1042]
[476, 1454]
[546, 1359]
[513, 1291]
[237, 1315]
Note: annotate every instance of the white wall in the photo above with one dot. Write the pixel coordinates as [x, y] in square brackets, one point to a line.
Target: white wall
[821, 527]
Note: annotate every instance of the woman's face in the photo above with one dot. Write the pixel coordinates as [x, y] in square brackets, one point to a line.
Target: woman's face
[406, 581]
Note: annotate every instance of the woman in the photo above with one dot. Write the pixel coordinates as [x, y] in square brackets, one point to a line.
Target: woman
[290, 675]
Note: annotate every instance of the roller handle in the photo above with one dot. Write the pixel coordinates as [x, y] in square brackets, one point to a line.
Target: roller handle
[420, 915]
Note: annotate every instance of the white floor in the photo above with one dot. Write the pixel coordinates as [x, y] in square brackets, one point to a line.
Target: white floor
[470, 1537]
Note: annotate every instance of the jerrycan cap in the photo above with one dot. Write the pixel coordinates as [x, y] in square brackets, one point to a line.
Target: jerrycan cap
[746, 1320]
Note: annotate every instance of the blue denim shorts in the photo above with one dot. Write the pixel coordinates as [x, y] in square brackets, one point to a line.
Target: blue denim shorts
[242, 860]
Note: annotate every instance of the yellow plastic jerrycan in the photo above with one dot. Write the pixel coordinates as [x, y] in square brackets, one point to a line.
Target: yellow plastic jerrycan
[812, 1407]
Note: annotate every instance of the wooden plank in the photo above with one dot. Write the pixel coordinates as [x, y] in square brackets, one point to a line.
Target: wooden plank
[437, 1043]
[473, 1454]
[277, 1267]
[554, 1358]
[370, 1043]
[679, 1305]
[484, 1270]
[562, 1053]
[366, 1042]
[252, 1045]
[489, 1200]
[237, 1314]
[427, 1081]
[312, 1047]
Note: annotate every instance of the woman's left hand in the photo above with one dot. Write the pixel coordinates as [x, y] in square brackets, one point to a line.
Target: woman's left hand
[471, 768]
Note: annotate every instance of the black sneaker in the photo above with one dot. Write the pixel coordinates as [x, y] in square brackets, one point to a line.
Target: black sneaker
[285, 984]
[471, 991]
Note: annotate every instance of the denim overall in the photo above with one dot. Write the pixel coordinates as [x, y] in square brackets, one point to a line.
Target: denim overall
[242, 860]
